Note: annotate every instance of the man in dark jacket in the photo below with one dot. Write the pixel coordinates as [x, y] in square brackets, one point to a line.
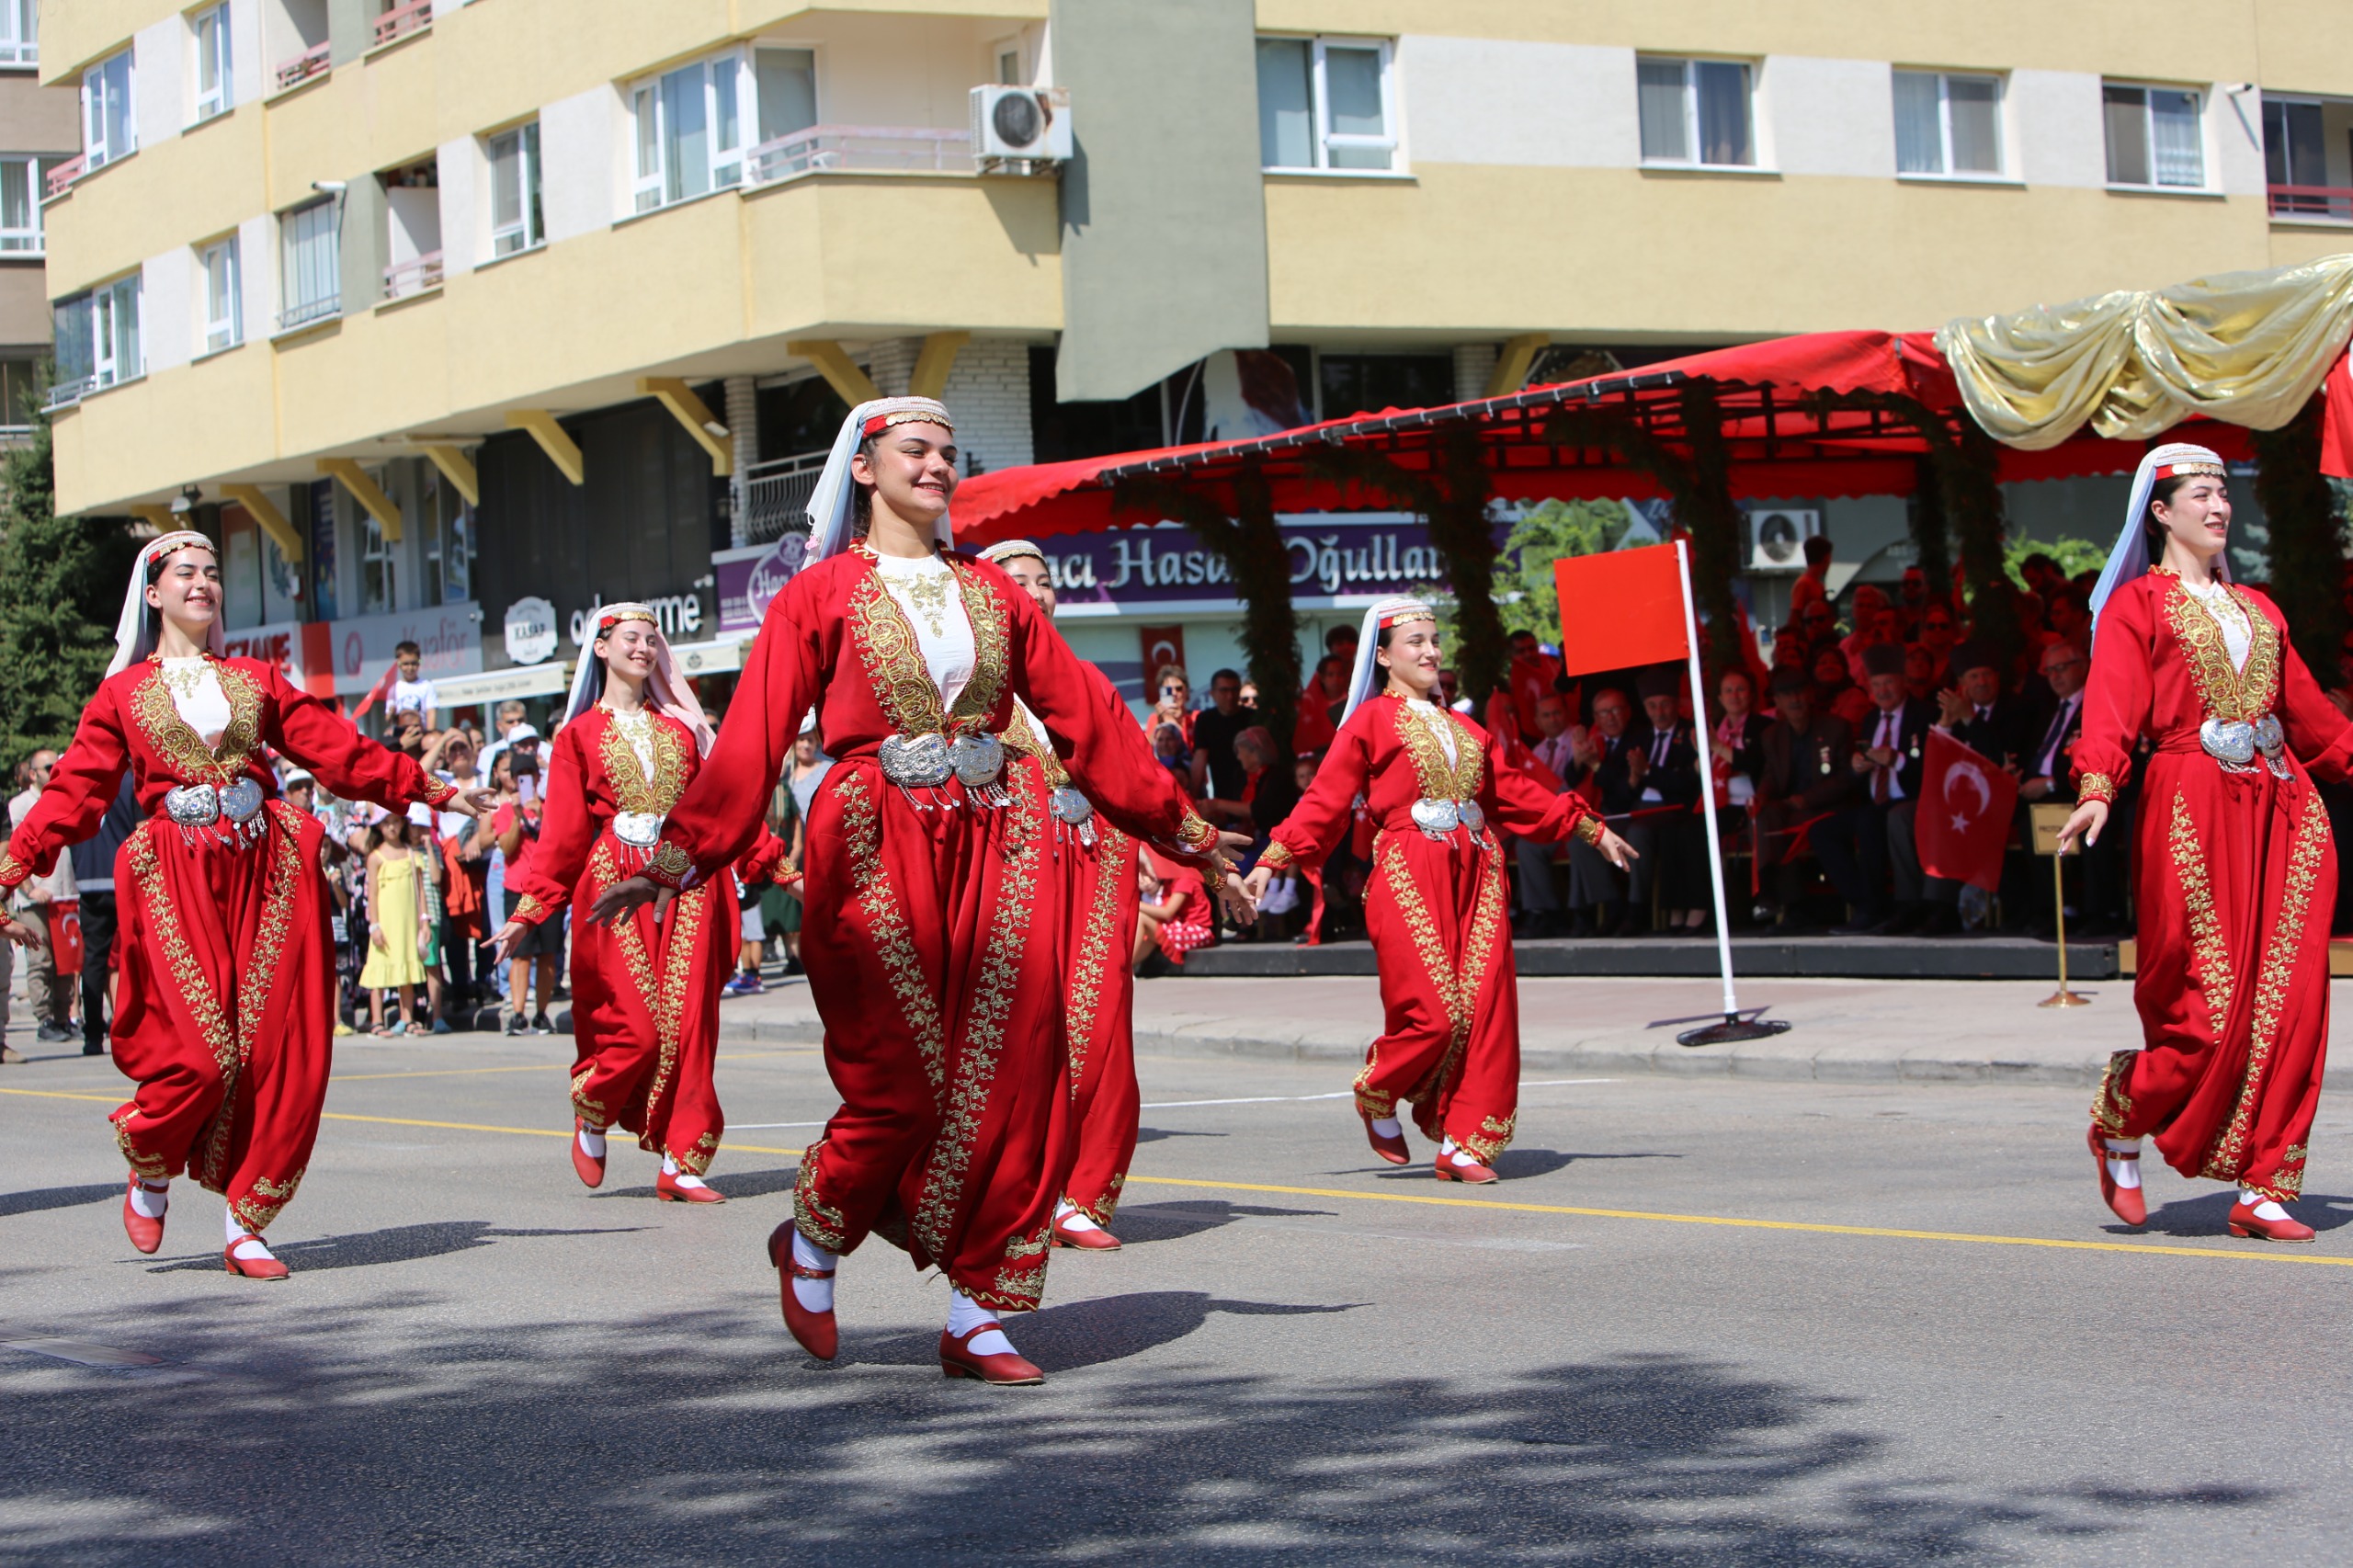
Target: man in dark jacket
[1858, 845]
[1662, 766]
[1978, 713]
[1807, 775]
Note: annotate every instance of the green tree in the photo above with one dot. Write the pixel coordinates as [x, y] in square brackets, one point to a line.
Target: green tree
[1545, 532]
[60, 587]
[2074, 555]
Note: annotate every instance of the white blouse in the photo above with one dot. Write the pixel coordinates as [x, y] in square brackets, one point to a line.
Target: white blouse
[195, 686]
[2238, 634]
[927, 590]
[1434, 719]
[637, 729]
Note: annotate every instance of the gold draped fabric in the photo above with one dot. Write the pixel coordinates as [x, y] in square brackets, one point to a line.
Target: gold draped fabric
[2247, 348]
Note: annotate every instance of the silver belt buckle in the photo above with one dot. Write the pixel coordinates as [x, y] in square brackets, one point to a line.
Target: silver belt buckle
[193, 805]
[639, 830]
[2229, 742]
[976, 759]
[1436, 818]
[915, 762]
[241, 801]
[1473, 817]
[1069, 806]
[2272, 742]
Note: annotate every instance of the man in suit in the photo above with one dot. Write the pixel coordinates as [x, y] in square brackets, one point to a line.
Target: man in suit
[1556, 750]
[1597, 900]
[1858, 845]
[1664, 767]
[2098, 909]
[1975, 711]
[1807, 775]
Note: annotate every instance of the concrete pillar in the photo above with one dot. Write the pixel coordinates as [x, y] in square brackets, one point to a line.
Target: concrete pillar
[1473, 363]
[743, 418]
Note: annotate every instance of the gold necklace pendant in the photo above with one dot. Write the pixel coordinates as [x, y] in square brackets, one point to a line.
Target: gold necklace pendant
[930, 598]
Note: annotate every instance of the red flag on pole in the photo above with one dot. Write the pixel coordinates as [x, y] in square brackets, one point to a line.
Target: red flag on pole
[1963, 824]
[1619, 610]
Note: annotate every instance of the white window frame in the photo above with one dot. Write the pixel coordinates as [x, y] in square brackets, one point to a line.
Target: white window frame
[221, 333]
[1944, 80]
[314, 310]
[32, 240]
[20, 34]
[376, 550]
[109, 366]
[1691, 139]
[529, 160]
[222, 97]
[2199, 106]
[1325, 140]
[97, 153]
[649, 187]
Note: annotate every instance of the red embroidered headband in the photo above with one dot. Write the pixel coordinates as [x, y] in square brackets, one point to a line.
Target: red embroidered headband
[877, 424]
[2184, 468]
[1404, 613]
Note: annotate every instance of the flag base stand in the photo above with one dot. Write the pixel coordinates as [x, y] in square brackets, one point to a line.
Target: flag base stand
[1733, 1029]
[2050, 819]
[2065, 999]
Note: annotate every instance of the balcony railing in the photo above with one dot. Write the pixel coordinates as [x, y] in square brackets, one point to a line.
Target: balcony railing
[303, 315]
[413, 276]
[776, 495]
[66, 393]
[824, 149]
[2328, 202]
[62, 177]
[410, 16]
[313, 61]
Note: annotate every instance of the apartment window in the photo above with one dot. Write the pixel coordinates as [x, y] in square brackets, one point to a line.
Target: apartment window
[98, 338]
[379, 569]
[2155, 137]
[19, 32]
[215, 82]
[2295, 161]
[17, 382]
[224, 324]
[110, 130]
[689, 131]
[311, 282]
[22, 179]
[1948, 124]
[515, 223]
[1327, 104]
[785, 81]
[1696, 111]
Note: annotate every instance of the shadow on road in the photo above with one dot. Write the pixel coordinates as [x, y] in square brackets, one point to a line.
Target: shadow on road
[41, 1198]
[734, 1184]
[417, 1441]
[1154, 1134]
[2208, 1214]
[396, 1243]
[1149, 1222]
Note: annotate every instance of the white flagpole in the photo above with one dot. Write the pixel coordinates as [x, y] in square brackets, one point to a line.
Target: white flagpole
[1707, 776]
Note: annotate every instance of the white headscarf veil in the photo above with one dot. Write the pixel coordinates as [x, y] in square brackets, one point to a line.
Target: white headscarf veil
[2130, 558]
[1367, 678]
[665, 688]
[829, 504]
[134, 630]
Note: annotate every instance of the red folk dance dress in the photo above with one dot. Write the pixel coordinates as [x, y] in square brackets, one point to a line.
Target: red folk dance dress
[931, 909]
[1438, 908]
[2238, 881]
[225, 997]
[644, 994]
[1096, 865]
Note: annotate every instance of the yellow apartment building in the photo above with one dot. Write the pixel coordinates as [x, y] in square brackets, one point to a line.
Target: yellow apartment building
[453, 317]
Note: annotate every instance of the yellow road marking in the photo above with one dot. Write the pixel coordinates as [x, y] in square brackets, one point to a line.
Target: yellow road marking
[1724, 1221]
[548, 1067]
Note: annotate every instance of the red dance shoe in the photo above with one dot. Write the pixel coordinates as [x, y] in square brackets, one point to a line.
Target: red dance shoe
[667, 1189]
[816, 1331]
[1003, 1369]
[2245, 1221]
[1394, 1150]
[2127, 1201]
[251, 1268]
[1095, 1239]
[1474, 1174]
[591, 1171]
[145, 1235]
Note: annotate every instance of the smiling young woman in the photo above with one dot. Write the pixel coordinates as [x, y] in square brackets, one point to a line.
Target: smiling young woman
[225, 993]
[2237, 876]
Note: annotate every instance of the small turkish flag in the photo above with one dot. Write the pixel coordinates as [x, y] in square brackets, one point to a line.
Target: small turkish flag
[1619, 610]
[1963, 824]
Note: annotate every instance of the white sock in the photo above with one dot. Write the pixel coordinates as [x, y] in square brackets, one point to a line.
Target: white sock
[2123, 1172]
[1070, 1217]
[2265, 1208]
[965, 1314]
[149, 1202]
[815, 1295]
[1388, 1127]
[678, 1177]
[592, 1141]
[243, 1243]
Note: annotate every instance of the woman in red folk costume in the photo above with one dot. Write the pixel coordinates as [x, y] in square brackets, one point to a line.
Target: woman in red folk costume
[2238, 875]
[645, 992]
[1100, 899]
[931, 893]
[1436, 904]
[225, 996]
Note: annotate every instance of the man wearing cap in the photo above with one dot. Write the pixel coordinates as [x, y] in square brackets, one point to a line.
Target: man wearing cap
[1857, 846]
[1808, 775]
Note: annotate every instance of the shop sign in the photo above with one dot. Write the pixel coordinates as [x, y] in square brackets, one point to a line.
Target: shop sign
[331, 657]
[1334, 555]
[678, 615]
[748, 578]
[531, 630]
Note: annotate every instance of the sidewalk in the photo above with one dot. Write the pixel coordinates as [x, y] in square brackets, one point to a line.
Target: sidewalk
[1844, 1031]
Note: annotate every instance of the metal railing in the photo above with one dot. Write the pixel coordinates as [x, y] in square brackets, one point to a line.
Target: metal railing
[776, 495]
[303, 315]
[314, 61]
[62, 177]
[825, 149]
[2329, 201]
[413, 275]
[65, 394]
[412, 15]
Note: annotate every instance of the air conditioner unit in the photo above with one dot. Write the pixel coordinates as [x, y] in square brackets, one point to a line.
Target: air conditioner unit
[1776, 538]
[1024, 124]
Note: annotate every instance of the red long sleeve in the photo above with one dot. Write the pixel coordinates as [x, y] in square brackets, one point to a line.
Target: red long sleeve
[2117, 697]
[1518, 804]
[345, 761]
[760, 863]
[567, 832]
[2317, 731]
[1313, 828]
[80, 787]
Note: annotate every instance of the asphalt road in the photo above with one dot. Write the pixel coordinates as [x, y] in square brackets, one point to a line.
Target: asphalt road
[1669, 1352]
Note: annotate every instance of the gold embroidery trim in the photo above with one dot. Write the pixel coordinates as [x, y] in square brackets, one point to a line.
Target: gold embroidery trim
[2229, 1153]
[529, 909]
[1276, 853]
[824, 1224]
[183, 750]
[270, 1197]
[1443, 779]
[2095, 786]
[1471, 977]
[991, 653]
[2228, 692]
[164, 917]
[894, 947]
[1090, 967]
[12, 870]
[625, 774]
[2112, 1107]
[669, 865]
[1024, 739]
[2216, 979]
[1589, 829]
